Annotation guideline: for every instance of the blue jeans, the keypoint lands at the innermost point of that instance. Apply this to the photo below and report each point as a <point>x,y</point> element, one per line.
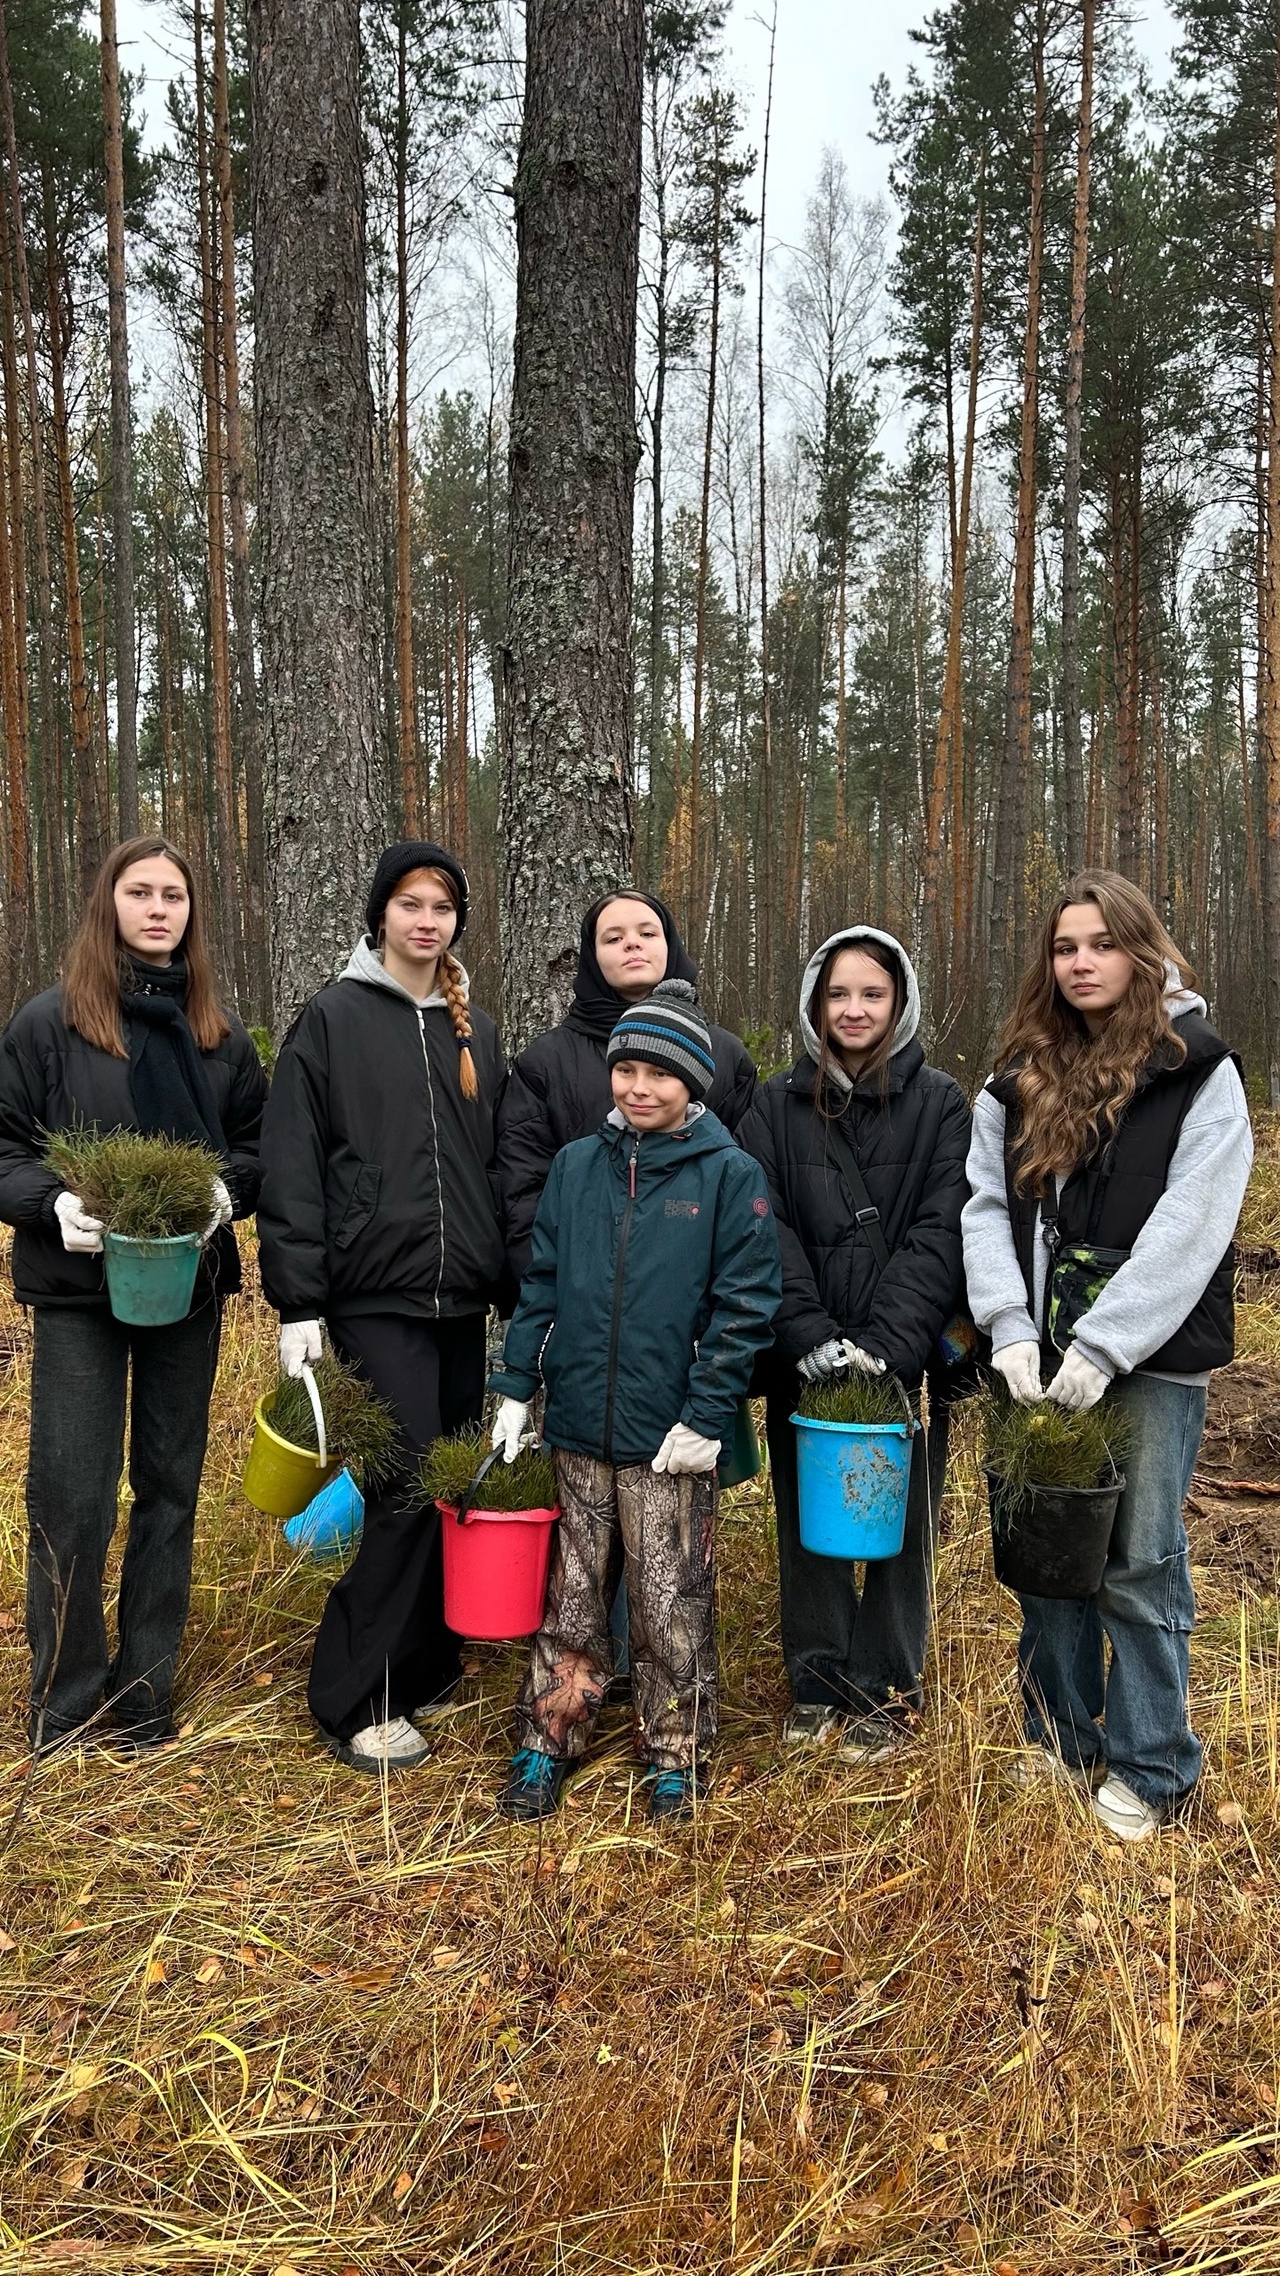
<point>1145,1609</point>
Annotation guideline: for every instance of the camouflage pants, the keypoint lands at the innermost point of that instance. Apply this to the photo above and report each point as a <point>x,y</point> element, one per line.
<point>662,1529</point>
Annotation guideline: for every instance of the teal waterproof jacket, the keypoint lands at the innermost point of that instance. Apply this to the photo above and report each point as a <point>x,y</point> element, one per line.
<point>653,1283</point>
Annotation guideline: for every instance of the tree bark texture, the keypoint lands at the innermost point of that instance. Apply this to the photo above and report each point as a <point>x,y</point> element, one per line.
<point>566,820</point>
<point>1270,674</point>
<point>324,792</point>
<point>1071,743</point>
<point>121,437</point>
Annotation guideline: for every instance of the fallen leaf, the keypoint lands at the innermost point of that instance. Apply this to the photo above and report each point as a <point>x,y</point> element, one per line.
<point>285,2268</point>
<point>471,1667</point>
<point>1088,1924</point>
<point>1214,1990</point>
<point>262,1679</point>
<point>939,2142</point>
<point>506,2091</point>
<point>7,1943</point>
<point>209,1971</point>
<point>491,2139</point>
<point>401,2187</point>
<point>369,1979</point>
<point>445,1956</point>
<point>1230,1814</point>
<point>127,2128</point>
<point>72,2173</point>
<point>247,1957</point>
<point>75,1928</point>
<point>965,2233</point>
<point>81,2075</point>
<point>286,1801</point>
<point>433,1890</point>
<point>1138,2217</point>
<point>154,1972</point>
<point>814,2174</point>
<point>1007,2268</point>
<point>874,2097</point>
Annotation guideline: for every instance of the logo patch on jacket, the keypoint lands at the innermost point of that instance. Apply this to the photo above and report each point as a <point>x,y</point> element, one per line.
<point>761,1207</point>
<point>679,1208</point>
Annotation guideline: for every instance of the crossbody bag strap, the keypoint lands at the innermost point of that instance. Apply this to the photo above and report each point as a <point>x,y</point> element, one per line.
<point>864,1209</point>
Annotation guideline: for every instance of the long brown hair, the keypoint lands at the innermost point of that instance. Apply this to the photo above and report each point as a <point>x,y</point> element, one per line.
<point>98,969</point>
<point>1073,1087</point>
<point>449,982</point>
<point>877,1062</point>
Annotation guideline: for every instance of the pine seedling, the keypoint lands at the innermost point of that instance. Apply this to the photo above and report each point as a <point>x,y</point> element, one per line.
<point>450,1464</point>
<point>145,1188</point>
<point>361,1431</point>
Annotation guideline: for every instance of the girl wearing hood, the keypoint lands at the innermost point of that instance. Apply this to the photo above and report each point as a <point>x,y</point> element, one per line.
<point>1111,1151</point>
<point>866,1283</point>
<point>379,1216</point>
<point>134,1039</point>
<point>558,1088</point>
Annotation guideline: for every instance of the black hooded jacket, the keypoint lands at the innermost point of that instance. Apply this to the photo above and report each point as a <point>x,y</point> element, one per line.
<point>911,1146</point>
<point>51,1077</point>
<point>558,1089</point>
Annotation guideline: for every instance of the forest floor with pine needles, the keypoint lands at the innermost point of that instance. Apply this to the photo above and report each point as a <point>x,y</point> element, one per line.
<point>260,2015</point>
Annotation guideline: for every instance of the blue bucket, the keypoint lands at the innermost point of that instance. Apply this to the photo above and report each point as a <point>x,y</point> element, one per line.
<point>853,1480</point>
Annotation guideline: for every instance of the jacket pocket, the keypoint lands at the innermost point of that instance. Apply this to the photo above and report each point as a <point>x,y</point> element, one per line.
<point>360,1206</point>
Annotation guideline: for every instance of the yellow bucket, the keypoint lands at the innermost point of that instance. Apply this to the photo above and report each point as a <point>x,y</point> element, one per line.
<point>279,1477</point>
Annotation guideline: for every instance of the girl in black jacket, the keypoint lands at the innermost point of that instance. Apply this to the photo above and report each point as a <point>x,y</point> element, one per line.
<point>860,1111</point>
<point>379,1215</point>
<point>135,1038</point>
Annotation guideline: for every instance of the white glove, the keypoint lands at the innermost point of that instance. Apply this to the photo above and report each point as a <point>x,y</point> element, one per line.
<point>509,1427</point>
<point>299,1345</point>
<point>855,1356</point>
<point>1019,1363</point>
<point>684,1453</point>
<point>81,1233</point>
<point>1078,1383</point>
<point>825,1360</point>
<point>222,1210</point>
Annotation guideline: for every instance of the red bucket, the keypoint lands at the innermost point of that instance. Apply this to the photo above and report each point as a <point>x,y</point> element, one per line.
<point>495,1570</point>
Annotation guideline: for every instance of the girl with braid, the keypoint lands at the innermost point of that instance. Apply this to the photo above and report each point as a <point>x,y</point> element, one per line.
<point>378,1217</point>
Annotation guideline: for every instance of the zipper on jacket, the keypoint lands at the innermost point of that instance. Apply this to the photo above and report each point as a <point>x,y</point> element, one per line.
<point>435,1136</point>
<point>615,1324</point>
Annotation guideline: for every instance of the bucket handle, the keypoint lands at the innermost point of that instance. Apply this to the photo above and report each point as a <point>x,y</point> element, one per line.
<point>318,1411</point>
<point>897,1383</point>
<point>465,1506</point>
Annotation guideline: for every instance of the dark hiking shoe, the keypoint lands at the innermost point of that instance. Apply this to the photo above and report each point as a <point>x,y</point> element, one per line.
<point>674,1795</point>
<point>140,1737</point>
<point>873,1738</point>
<point>534,1785</point>
<point>810,1723</point>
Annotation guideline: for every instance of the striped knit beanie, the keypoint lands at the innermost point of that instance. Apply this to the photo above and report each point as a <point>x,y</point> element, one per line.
<point>669,1031</point>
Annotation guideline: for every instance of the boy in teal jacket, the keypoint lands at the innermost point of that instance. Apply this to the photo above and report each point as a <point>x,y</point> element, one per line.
<point>654,1279</point>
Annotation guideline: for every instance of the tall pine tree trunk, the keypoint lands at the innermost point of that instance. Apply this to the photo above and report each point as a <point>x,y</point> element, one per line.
<point>121,437</point>
<point>405,676</point>
<point>90,833</point>
<point>697,868</point>
<point>566,821</point>
<point>322,756</point>
<point>1015,758</point>
<point>1271,635</point>
<point>1073,789</point>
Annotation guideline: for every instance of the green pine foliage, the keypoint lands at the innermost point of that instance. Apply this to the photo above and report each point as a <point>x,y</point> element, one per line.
<point>149,1189</point>
<point>1049,1445</point>
<point>854,1398</point>
<point>450,1464</point>
<point>360,1430</point>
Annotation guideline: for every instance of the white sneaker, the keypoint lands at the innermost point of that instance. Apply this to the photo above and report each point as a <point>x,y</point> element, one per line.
<point>810,1725</point>
<point>1124,1813</point>
<point>382,1746</point>
<point>1037,1762</point>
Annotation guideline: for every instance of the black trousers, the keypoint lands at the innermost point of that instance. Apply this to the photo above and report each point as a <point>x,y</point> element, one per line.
<point>79,1377</point>
<point>382,1648</point>
<point>857,1649</point>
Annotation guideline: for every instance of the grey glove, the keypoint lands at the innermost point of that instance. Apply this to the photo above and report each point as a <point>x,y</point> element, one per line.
<point>824,1361</point>
<point>223,1210</point>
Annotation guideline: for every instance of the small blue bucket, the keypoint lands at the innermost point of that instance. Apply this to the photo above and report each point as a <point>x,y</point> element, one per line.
<point>853,1480</point>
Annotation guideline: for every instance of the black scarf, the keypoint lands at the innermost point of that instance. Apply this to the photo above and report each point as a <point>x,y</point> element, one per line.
<point>597,1007</point>
<point>167,1079</point>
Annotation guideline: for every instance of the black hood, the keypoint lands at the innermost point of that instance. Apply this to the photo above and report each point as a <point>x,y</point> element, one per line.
<point>597,1007</point>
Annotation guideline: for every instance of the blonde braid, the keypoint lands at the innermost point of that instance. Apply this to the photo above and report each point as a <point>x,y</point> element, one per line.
<point>452,990</point>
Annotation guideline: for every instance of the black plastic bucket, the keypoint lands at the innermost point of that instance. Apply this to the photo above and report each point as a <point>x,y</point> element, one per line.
<point>1052,1540</point>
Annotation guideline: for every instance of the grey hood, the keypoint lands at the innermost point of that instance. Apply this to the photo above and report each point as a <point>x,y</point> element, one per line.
<point>1178,1001</point>
<point>849,937</point>
<point>364,963</point>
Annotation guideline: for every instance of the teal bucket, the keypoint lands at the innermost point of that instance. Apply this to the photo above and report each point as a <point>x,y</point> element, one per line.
<point>853,1480</point>
<point>151,1283</point>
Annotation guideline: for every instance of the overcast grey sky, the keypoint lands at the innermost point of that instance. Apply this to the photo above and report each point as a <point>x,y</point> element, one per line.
<point>829,54</point>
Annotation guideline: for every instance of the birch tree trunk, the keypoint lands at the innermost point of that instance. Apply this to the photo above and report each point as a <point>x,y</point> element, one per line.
<point>323,763</point>
<point>566,818</point>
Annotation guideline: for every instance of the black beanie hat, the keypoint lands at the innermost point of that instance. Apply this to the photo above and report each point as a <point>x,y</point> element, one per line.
<point>668,1030</point>
<point>400,861</point>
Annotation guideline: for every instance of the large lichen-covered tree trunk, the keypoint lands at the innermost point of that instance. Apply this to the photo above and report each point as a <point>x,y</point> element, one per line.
<point>323,762</point>
<point>566,820</point>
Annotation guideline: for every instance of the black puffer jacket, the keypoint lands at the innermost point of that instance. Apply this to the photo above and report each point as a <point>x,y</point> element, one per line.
<point>558,1089</point>
<point>50,1078</point>
<point>378,1190</point>
<point>911,1149</point>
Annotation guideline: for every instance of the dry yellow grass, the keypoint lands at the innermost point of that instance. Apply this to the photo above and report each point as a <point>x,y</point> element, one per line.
<point>258,2014</point>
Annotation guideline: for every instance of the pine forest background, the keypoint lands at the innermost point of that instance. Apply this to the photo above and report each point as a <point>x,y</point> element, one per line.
<point>957,553</point>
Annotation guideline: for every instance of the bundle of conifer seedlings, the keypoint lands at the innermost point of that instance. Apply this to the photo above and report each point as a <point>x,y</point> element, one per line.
<point>856,1398</point>
<point>1054,1477</point>
<point>450,1464</point>
<point>361,1432</point>
<point>143,1188</point>
<point>1053,1447</point>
